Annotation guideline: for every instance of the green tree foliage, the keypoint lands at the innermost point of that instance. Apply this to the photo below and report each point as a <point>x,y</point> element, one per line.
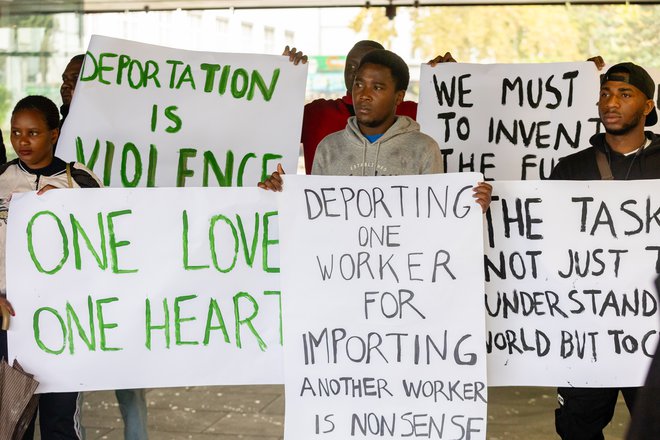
<point>379,27</point>
<point>620,32</point>
<point>496,33</point>
<point>512,34</point>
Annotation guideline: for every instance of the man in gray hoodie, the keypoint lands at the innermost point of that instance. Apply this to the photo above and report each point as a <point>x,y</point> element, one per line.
<point>377,142</point>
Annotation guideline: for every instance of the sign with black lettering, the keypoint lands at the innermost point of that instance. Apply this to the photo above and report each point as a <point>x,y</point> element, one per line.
<point>384,307</point>
<point>142,288</point>
<point>509,121</point>
<point>151,116</point>
<point>569,270</point>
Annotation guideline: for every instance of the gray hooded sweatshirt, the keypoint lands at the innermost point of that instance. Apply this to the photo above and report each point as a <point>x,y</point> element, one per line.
<point>402,150</point>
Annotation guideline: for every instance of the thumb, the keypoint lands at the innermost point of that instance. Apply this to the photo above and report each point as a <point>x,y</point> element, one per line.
<point>280,169</point>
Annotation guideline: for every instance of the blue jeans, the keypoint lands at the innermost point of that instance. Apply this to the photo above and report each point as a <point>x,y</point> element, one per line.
<point>133,408</point>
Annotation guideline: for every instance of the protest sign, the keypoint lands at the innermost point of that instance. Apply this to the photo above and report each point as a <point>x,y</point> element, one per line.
<point>153,116</point>
<point>569,273</point>
<point>383,307</point>
<point>655,74</point>
<point>508,121</point>
<point>140,288</point>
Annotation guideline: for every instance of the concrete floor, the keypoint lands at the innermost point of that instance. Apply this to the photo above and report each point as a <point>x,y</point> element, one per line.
<point>257,413</point>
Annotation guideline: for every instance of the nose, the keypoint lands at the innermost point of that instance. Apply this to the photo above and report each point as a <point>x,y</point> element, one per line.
<point>611,101</point>
<point>66,89</point>
<point>23,139</point>
<point>364,94</point>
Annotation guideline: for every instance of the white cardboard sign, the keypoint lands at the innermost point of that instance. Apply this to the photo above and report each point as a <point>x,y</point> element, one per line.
<point>145,115</point>
<point>118,288</point>
<point>569,273</point>
<point>509,122</point>
<point>383,307</point>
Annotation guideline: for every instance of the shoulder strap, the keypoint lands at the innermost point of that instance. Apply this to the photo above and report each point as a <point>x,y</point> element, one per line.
<point>603,166</point>
<point>69,179</point>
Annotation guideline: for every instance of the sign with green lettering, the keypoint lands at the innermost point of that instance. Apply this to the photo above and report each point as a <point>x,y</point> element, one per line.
<point>153,116</point>
<point>119,288</point>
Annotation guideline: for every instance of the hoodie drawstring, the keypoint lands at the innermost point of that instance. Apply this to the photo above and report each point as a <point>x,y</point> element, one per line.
<point>377,154</point>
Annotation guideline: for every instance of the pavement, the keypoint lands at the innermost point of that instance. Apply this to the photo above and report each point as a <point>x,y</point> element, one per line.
<point>257,413</point>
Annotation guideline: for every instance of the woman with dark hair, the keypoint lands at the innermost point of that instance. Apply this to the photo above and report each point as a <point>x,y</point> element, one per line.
<point>34,132</point>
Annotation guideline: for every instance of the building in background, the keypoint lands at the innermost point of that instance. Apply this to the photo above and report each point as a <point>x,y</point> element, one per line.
<point>35,49</point>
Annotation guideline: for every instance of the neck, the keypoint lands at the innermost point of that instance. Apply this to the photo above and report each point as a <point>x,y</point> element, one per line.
<point>381,129</point>
<point>626,143</point>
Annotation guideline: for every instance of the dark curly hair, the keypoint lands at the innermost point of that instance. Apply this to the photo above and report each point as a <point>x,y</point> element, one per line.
<point>43,105</point>
<point>392,61</point>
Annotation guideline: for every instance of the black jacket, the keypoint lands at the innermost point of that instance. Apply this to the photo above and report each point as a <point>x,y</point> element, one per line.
<point>582,165</point>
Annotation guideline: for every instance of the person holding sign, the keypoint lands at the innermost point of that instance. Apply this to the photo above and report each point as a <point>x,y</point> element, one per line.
<point>34,131</point>
<point>376,141</point>
<point>69,81</point>
<point>323,116</point>
<point>624,152</point>
<point>133,402</point>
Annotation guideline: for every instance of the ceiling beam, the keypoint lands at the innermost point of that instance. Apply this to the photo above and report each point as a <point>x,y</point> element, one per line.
<point>20,7</point>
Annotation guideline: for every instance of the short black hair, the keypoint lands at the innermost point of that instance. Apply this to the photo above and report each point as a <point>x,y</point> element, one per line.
<point>392,61</point>
<point>80,57</point>
<point>43,105</point>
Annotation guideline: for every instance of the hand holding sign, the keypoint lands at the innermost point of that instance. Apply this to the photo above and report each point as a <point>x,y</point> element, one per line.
<point>482,193</point>
<point>295,56</point>
<point>274,182</point>
<point>7,310</point>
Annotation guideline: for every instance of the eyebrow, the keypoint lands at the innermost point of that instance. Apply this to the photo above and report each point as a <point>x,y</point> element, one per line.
<point>620,89</point>
<point>380,83</point>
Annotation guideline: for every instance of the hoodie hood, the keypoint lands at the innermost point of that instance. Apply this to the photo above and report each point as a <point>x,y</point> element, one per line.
<point>401,150</point>
<point>401,126</point>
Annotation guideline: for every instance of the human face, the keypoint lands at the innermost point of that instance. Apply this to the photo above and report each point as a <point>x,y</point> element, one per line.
<point>622,107</point>
<point>32,139</point>
<point>352,62</point>
<point>69,80</point>
<point>375,99</point>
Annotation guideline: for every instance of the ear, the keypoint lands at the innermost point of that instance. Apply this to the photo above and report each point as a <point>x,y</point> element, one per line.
<point>648,107</point>
<point>54,135</point>
<point>401,93</point>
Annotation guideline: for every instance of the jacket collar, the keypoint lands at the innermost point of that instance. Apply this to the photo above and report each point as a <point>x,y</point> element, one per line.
<point>55,167</point>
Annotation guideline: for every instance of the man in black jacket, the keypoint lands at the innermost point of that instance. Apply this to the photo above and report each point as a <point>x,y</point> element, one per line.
<point>624,152</point>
